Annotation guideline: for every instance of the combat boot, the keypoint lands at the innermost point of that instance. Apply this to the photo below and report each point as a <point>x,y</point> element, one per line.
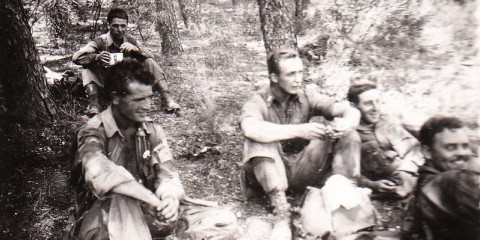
<point>281,209</point>
<point>94,102</point>
<point>169,105</point>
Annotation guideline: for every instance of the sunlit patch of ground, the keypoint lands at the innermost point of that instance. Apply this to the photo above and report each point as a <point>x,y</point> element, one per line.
<point>223,64</point>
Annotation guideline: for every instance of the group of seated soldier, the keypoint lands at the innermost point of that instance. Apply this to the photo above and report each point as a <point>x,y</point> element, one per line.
<point>288,148</point>
<point>128,187</point>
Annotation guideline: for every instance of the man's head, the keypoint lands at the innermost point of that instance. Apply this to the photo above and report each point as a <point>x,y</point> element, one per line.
<point>117,22</point>
<point>365,97</point>
<point>445,143</point>
<point>285,69</point>
<point>130,88</point>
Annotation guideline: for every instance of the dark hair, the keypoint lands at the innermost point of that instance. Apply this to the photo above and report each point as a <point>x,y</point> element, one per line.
<point>116,13</point>
<point>355,90</point>
<point>436,125</point>
<point>125,72</point>
<point>275,56</point>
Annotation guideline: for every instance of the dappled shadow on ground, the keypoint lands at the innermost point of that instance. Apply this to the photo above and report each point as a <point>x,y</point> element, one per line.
<point>223,64</point>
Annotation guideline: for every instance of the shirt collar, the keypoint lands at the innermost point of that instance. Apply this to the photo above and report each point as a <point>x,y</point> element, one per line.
<point>365,128</point>
<point>109,123</point>
<point>110,39</point>
<point>269,98</point>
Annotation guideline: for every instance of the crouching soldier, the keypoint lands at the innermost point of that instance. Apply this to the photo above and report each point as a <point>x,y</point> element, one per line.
<point>127,186</point>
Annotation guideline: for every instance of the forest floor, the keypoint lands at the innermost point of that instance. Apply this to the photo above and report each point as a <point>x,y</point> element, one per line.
<point>222,65</point>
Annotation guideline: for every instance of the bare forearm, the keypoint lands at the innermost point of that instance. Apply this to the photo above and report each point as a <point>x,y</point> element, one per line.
<point>346,112</point>
<point>136,190</point>
<point>86,55</point>
<point>265,132</point>
<point>352,115</point>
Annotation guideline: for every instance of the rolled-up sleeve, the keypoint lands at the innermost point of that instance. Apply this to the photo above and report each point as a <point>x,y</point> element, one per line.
<point>167,179</point>
<point>254,107</point>
<point>143,50</point>
<point>407,147</point>
<point>86,55</point>
<point>321,104</point>
<point>101,174</point>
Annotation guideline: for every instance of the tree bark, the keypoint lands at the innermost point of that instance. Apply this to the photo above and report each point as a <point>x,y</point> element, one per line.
<point>236,2</point>
<point>189,10</point>
<point>167,27</point>
<point>58,20</point>
<point>27,97</point>
<point>125,4</point>
<point>277,27</point>
<point>300,6</point>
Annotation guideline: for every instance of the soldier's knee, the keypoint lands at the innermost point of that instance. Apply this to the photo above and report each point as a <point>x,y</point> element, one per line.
<point>91,89</point>
<point>351,137</point>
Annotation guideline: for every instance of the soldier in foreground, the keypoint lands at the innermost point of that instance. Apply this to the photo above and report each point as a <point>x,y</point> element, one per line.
<point>447,197</point>
<point>127,185</point>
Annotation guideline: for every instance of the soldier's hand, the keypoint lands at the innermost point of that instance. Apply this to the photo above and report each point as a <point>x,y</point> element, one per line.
<point>128,47</point>
<point>312,130</point>
<point>384,185</point>
<point>169,209</point>
<point>104,58</point>
<point>339,128</point>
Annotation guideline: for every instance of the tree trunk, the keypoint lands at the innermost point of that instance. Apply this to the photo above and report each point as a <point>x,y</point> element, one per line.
<point>167,27</point>
<point>58,20</point>
<point>189,10</point>
<point>27,97</point>
<point>124,4</point>
<point>277,27</point>
<point>300,6</point>
<point>236,2</point>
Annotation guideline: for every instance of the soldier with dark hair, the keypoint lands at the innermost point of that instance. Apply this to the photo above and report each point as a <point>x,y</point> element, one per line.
<point>391,156</point>
<point>447,197</point>
<point>127,185</point>
<point>111,47</point>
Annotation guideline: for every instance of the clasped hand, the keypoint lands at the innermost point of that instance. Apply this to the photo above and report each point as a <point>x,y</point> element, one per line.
<point>104,58</point>
<point>128,47</point>
<point>168,209</point>
<point>337,129</point>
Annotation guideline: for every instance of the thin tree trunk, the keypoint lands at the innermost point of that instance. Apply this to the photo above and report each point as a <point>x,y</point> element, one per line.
<point>300,6</point>
<point>24,85</point>
<point>189,10</point>
<point>236,2</point>
<point>58,20</point>
<point>277,27</point>
<point>125,4</point>
<point>167,27</point>
<point>477,42</point>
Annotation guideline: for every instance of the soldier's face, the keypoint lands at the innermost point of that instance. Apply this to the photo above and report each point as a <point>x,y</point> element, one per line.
<point>451,149</point>
<point>117,27</point>
<point>290,77</point>
<point>368,105</point>
<point>136,103</point>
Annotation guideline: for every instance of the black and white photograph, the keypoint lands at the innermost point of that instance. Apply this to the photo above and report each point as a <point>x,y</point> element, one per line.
<point>240,119</point>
